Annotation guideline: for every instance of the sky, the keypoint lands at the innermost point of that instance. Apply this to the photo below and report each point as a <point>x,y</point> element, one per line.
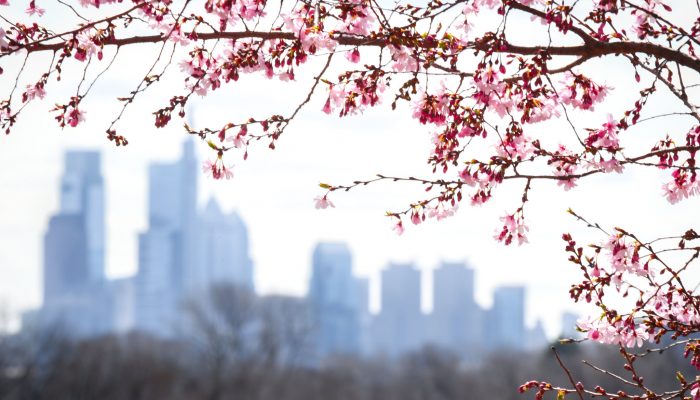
<point>274,190</point>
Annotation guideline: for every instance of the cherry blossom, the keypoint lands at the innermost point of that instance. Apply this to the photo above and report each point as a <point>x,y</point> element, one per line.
<point>323,202</point>
<point>398,228</point>
<point>34,91</point>
<point>217,170</point>
<point>514,228</point>
<point>33,9</point>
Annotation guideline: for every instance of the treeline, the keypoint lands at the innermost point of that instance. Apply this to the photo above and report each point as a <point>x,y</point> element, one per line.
<point>242,348</point>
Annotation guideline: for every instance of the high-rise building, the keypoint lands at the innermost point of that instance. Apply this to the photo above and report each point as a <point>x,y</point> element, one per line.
<point>185,252</point>
<point>223,249</point>
<point>158,289</point>
<point>506,319</point>
<point>82,193</point>
<point>333,292</point>
<point>65,261</point>
<point>167,250</point>
<point>364,318</point>
<point>399,327</point>
<point>74,269</point>
<point>456,318</point>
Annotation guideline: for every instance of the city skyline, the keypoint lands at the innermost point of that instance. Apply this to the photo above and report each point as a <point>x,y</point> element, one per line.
<point>371,268</point>
<point>188,250</point>
<point>425,277</point>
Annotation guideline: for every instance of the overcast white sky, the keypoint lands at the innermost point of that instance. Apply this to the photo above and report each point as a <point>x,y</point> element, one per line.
<point>274,190</point>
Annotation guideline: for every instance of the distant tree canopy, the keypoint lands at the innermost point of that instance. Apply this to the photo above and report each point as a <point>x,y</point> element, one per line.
<point>487,78</point>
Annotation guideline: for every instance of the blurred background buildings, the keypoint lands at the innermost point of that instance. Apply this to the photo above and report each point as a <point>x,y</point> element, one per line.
<point>187,252</point>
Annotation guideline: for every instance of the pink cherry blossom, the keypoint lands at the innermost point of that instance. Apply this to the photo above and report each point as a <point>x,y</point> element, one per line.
<point>398,228</point>
<point>441,211</point>
<point>416,217</point>
<point>605,138</point>
<point>403,59</point>
<point>323,203</point>
<point>682,186</point>
<point>514,228</point>
<point>34,91</point>
<point>217,170</point>
<point>33,9</point>
<point>624,256</point>
<point>75,116</point>
<point>353,56</point>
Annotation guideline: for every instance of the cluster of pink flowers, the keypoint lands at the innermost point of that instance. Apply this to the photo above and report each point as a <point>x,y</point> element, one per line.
<point>684,184</point>
<point>674,306</point>
<point>624,257</point>
<point>565,164</point>
<point>403,59</point>
<point>354,94</point>
<point>514,228</point>
<point>230,12</point>
<point>173,31</point>
<point>441,211</point>
<point>216,169</point>
<point>239,139</point>
<point>605,138</point>
<point>34,91</point>
<point>581,92</point>
<point>356,17</point>
<point>431,109</point>
<point>74,116</point>
<point>515,147</point>
<point>621,331</point>
<point>86,46</point>
<point>598,162</point>
<point>484,179</point>
<point>302,22</point>
<point>69,114</point>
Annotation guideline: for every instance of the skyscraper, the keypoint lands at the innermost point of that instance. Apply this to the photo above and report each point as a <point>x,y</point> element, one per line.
<point>456,318</point>
<point>333,292</point>
<point>167,250</point>
<point>506,327</point>
<point>223,248</point>
<point>74,270</point>
<point>184,252</point>
<point>82,194</point>
<point>399,327</point>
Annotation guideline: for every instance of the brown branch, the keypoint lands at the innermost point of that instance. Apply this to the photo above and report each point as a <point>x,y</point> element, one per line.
<point>579,391</point>
<point>587,51</point>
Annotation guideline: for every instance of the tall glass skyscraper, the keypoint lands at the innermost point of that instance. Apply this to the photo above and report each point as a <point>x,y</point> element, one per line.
<point>399,327</point>
<point>335,305</point>
<point>456,318</point>
<point>184,251</point>
<point>82,193</point>
<point>223,255</point>
<point>74,265</point>
<point>167,248</point>
<point>507,318</point>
